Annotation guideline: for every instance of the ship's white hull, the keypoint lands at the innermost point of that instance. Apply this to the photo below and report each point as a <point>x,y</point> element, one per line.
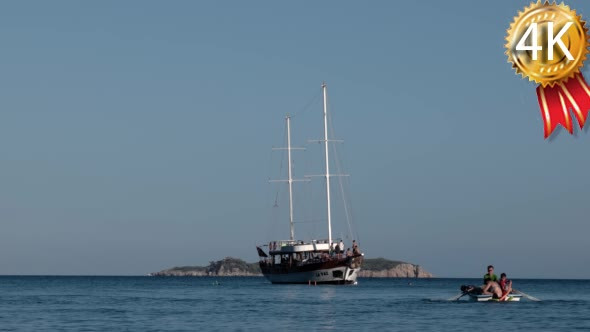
<point>336,275</point>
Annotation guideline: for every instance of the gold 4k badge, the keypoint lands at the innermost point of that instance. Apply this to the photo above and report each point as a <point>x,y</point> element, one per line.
<point>548,44</point>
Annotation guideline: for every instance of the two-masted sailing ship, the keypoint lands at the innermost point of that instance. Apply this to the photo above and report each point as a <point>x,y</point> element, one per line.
<point>313,261</point>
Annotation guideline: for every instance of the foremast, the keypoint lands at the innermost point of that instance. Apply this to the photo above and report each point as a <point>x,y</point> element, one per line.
<point>290,179</point>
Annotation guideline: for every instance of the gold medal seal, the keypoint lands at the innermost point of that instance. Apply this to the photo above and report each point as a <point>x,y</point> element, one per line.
<point>548,44</point>
<point>541,68</point>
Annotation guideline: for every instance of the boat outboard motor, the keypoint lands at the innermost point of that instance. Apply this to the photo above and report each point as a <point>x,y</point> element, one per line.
<point>471,289</point>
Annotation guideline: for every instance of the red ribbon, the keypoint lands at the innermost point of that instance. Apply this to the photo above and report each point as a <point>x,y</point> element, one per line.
<point>556,101</point>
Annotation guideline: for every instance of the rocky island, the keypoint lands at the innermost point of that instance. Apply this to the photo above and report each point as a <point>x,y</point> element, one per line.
<point>235,267</point>
<point>385,268</point>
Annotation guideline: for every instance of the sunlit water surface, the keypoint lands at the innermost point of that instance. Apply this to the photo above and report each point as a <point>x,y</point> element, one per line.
<point>176,304</point>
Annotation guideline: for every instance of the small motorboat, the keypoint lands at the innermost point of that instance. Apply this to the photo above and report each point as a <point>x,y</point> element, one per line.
<point>475,293</point>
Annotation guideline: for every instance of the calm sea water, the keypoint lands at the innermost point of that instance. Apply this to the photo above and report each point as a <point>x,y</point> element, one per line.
<point>177,304</point>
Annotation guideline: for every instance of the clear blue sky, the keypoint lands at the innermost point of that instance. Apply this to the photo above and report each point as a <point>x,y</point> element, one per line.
<point>135,135</point>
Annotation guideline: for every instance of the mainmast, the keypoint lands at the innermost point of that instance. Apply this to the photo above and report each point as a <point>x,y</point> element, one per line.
<point>327,175</point>
<point>290,179</point>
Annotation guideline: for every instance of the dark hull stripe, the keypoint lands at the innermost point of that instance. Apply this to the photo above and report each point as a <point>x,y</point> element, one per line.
<point>278,269</point>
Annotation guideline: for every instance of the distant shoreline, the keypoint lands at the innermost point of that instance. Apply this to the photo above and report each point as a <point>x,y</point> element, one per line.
<point>235,267</point>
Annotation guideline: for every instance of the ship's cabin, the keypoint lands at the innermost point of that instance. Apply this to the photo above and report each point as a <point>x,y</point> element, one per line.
<point>291,253</point>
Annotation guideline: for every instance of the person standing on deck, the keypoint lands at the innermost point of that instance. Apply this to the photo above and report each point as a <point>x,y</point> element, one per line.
<point>341,247</point>
<point>355,248</point>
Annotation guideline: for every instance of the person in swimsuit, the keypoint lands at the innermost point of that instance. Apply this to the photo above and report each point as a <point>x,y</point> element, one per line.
<point>505,286</point>
<point>492,288</point>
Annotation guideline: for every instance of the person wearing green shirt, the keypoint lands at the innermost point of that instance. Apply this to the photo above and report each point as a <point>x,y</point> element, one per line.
<point>490,276</point>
